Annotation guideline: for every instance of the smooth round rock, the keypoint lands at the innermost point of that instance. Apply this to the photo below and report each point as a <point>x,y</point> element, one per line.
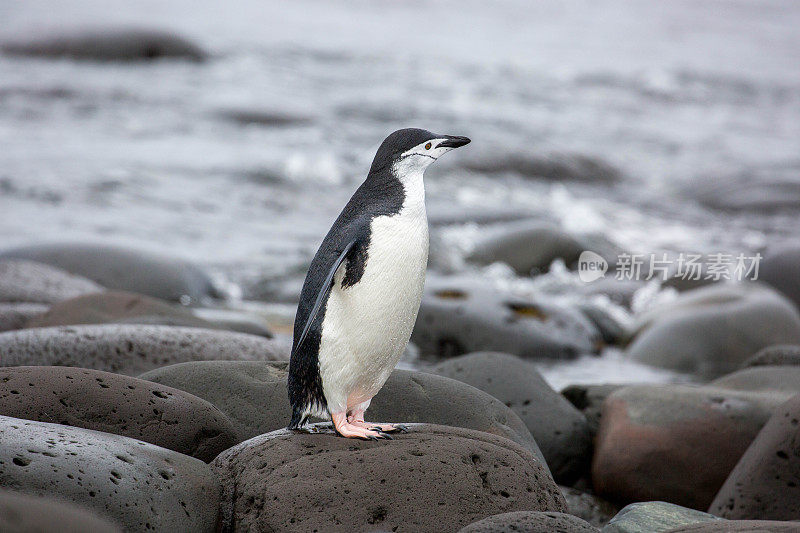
<point>21,513</point>
<point>126,269</point>
<point>655,517</point>
<point>254,396</point>
<point>130,349</point>
<point>296,481</point>
<point>29,281</point>
<point>589,400</point>
<point>778,355</point>
<point>117,404</point>
<point>766,481</point>
<point>530,522</point>
<point>593,509</point>
<point>552,166</point>
<point>779,378</point>
<point>461,315</point>
<point>137,485</point>
<point>740,526</point>
<point>17,315</point>
<point>560,430</point>
<point>115,44</point>
<point>781,269</point>
<point>711,331</point>
<point>675,443</point>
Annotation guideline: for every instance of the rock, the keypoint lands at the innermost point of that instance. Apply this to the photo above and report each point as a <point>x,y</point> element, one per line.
<point>124,269</point>
<point>766,481</point>
<point>560,430</point>
<point>551,167</point>
<point>675,443</point>
<point>462,315</point>
<point>763,189</point>
<point>20,513</point>
<point>589,400</point>
<point>28,281</point>
<point>296,481</point>
<point>740,526</point>
<point>234,320</point>
<point>137,485</point>
<point>778,378</point>
<point>112,403</point>
<point>655,517</point>
<point>254,397</point>
<point>781,269</point>
<point>711,331</point>
<point>612,332</point>
<point>530,522</point>
<point>263,117</point>
<point>129,349</point>
<point>16,315</point>
<point>778,355</point>
<point>589,507</point>
<point>620,292</point>
<point>116,44</point>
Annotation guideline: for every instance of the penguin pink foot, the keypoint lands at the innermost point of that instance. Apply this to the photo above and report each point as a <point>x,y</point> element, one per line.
<point>356,418</point>
<point>352,431</point>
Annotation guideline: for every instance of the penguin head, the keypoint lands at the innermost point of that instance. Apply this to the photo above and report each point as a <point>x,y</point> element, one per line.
<point>412,149</point>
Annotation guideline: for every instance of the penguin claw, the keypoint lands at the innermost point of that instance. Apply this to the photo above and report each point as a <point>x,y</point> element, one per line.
<point>400,428</point>
<point>386,436</point>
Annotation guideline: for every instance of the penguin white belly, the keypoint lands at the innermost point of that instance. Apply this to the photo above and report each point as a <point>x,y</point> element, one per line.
<point>367,326</point>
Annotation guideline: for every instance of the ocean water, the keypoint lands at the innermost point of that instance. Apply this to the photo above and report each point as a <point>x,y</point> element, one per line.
<point>677,126</point>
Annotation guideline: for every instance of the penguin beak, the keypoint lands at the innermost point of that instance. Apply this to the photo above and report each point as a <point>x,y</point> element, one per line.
<point>453,141</point>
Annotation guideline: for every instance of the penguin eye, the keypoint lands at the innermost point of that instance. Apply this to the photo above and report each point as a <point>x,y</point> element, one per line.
<point>428,146</point>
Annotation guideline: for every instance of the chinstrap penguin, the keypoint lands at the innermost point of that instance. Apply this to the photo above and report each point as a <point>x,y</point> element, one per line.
<point>363,289</point>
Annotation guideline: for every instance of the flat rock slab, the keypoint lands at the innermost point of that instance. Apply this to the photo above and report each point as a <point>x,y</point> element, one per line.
<point>530,522</point>
<point>740,526</point>
<point>766,482</point>
<point>655,517</point>
<point>117,404</point>
<point>130,349</point>
<point>17,315</point>
<point>254,397</point>
<point>29,281</point>
<point>560,430</point>
<point>21,513</point>
<point>137,485</point>
<point>293,481</point>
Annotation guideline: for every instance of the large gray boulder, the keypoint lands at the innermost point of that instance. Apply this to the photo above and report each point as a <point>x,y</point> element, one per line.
<point>297,481</point>
<point>712,330</point>
<point>21,513</point>
<point>137,485</point>
<point>560,430</point>
<point>117,404</point>
<point>32,282</point>
<point>126,269</point>
<point>254,396</point>
<point>530,522</point>
<point>655,517</point>
<point>131,349</point>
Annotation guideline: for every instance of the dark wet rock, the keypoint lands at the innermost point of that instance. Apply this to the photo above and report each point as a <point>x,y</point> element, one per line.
<point>530,522</point>
<point>740,526</point>
<point>551,167</point>
<point>778,378</point>
<point>137,485</point>
<point>21,513</point>
<point>112,403</point>
<point>117,44</point>
<point>781,269</point>
<point>460,315</point>
<point>778,355</point>
<point>560,430</point>
<point>296,481</point>
<point>711,331</point>
<point>17,315</point>
<point>589,400</point>
<point>655,517</point>
<point>595,510</point>
<point>766,482</point>
<point>254,397</point>
<point>675,443</point>
<point>130,349</point>
<point>32,282</point>
<point>124,269</point>
<point>263,117</point>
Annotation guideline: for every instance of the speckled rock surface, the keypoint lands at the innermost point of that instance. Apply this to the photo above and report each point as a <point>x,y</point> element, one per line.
<point>530,522</point>
<point>126,269</point>
<point>589,507</point>
<point>778,355</point>
<point>254,397</point>
<point>117,404</point>
<point>740,526</point>
<point>762,378</point>
<point>675,443</point>
<point>130,349</point>
<point>292,481</point>
<point>655,517</point>
<point>17,315</point>
<point>560,430</point>
<point>766,482</point>
<point>137,485</point>
<point>28,281</point>
<point>21,513</point>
